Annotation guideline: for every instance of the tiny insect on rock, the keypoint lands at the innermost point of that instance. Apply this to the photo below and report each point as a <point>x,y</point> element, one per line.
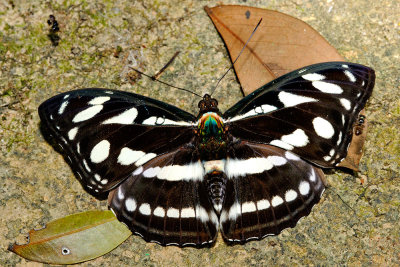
<point>249,172</point>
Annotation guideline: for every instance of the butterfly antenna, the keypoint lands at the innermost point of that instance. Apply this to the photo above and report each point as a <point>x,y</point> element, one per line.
<point>241,51</point>
<point>158,74</point>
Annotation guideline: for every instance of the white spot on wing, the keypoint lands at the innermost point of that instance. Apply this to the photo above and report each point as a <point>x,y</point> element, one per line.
<point>345,103</point>
<point>242,167</point>
<point>298,138</point>
<point>191,172</point>
<point>276,201</point>
<point>327,158</point>
<point>86,165</point>
<point>234,211</point>
<point>248,207</point>
<point>97,177</point>
<point>99,100</point>
<point>339,139</point>
<point>345,66</point>
<point>263,204</point>
<point>130,204</point>
<point>128,156</point>
<point>290,100</point>
<point>304,188</point>
<point>313,77</point>
<point>159,212</point>
<point>350,76</point>
<point>290,195</point>
<point>277,161</point>
<point>100,151</point>
<point>291,156</point>
<point>188,213</point>
<point>323,128</point>
<point>87,113</point>
<point>163,121</point>
<point>126,117</point>
<point>329,88</point>
<point>173,213</point>
<point>281,144</point>
<point>201,214</point>
<point>151,172</point>
<point>263,109</point>
<point>62,107</point>
<point>145,209</point>
<point>138,171</point>
<point>72,133</point>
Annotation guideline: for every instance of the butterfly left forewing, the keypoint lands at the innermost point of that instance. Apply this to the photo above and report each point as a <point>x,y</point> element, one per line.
<point>105,135</point>
<point>310,112</point>
<point>165,201</point>
<point>270,190</point>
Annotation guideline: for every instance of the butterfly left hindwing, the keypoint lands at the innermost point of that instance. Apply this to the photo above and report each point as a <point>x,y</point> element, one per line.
<point>165,201</point>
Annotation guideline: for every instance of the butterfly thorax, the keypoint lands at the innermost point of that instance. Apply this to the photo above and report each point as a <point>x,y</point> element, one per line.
<point>211,137</point>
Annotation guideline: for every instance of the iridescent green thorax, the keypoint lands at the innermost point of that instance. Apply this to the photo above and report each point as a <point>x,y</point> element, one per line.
<point>212,136</point>
<point>211,125</point>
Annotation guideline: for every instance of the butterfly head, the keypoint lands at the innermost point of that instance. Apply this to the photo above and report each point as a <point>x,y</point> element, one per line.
<point>208,104</point>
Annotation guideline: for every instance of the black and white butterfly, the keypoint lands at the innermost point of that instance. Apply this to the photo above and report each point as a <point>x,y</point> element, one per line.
<point>179,179</point>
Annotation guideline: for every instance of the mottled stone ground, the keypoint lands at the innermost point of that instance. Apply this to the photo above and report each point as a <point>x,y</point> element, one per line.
<point>357,221</point>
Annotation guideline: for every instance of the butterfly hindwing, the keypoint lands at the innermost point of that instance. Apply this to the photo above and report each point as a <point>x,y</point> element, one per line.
<point>270,190</point>
<point>105,135</point>
<point>310,112</point>
<point>165,201</point>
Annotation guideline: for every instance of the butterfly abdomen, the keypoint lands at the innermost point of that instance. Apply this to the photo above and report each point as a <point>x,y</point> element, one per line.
<point>215,180</point>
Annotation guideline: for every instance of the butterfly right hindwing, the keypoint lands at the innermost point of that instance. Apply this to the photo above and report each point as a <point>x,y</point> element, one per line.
<point>270,190</point>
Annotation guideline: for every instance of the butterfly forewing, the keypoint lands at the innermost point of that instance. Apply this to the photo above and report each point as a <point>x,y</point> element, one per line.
<point>105,135</point>
<point>270,190</point>
<point>310,112</point>
<point>165,201</point>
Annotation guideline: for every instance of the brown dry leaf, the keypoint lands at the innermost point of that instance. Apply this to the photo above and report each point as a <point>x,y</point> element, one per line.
<point>281,44</point>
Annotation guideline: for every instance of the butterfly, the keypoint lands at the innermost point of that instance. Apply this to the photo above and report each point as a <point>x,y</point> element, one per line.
<point>178,179</point>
